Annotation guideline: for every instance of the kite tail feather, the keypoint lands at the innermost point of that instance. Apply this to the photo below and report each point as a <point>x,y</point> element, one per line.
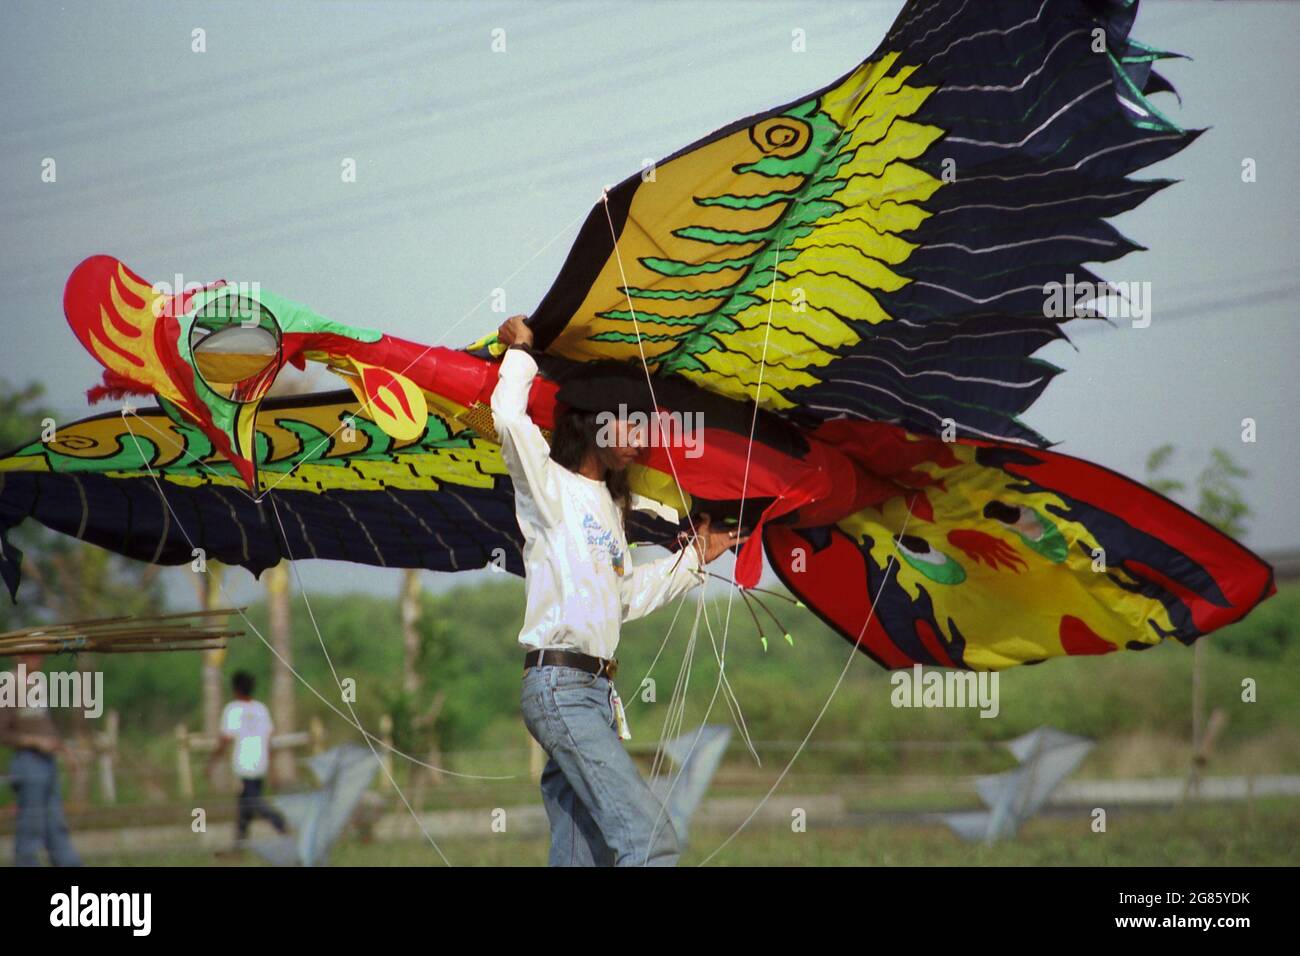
<point>116,386</point>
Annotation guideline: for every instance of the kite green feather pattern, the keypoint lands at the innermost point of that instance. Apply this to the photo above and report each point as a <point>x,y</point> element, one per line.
<point>127,456</point>
<point>828,148</point>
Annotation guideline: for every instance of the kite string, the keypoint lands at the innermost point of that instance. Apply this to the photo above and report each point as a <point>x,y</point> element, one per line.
<point>753,427</point>
<point>672,625</point>
<point>645,365</point>
<point>720,655</point>
<point>853,652</point>
<point>330,661</point>
<point>677,701</point>
<point>677,708</point>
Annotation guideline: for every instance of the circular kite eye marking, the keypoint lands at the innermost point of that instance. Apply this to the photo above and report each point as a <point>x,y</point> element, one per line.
<point>935,565</point>
<point>918,548</point>
<point>1036,530</point>
<point>1003,512</point>
<point>236,344</point>
<point>781,136</point>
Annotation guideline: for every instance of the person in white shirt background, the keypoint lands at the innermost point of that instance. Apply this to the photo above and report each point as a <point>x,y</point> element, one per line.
<point>246,732</point>
<point>571,496</point>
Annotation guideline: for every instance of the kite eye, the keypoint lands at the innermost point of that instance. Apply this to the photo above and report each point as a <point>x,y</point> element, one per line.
<point>1035,528</point>
<point>236,346</point>
<point>935,565</point>
<point>1024,521</point>
<point>918,548</point>
<point>1003,512</point>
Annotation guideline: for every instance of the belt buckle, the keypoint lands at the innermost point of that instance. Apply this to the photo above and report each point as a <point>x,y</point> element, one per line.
<point>611,668</point>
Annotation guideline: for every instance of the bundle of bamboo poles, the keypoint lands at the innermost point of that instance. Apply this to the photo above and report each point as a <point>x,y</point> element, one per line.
<point>183,631</point>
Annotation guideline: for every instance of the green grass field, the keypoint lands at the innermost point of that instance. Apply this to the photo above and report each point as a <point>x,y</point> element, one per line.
<point>1266,833</point>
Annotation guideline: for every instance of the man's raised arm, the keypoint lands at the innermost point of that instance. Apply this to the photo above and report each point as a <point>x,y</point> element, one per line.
<point>524,447</point>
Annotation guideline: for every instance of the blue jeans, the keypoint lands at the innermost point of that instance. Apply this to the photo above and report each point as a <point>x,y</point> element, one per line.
<point>601,811</point>
<point>251,805</point>
<point>35,778</point>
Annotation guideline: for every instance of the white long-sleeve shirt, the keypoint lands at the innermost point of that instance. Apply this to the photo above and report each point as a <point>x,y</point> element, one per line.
<point>579,580</point>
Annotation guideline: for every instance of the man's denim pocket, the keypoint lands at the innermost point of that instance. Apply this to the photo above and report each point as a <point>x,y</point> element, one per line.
<point>563,678</point>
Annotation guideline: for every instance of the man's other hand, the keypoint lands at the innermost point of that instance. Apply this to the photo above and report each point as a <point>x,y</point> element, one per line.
<point>515,331</point>
<point>710,542</point>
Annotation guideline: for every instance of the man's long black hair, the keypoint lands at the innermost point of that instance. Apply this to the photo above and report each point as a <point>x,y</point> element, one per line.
<point>574,435</point>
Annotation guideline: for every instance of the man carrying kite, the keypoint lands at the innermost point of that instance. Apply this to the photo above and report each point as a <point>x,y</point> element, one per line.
<point>580,588</point>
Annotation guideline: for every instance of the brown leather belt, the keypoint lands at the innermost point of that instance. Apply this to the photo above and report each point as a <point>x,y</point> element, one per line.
<point>583,662</point>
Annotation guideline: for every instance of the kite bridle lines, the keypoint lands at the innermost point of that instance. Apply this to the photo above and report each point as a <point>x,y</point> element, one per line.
<point>330,661</point>
<point>740,517</point>
<point>721,653</point>
<point>853,653</point>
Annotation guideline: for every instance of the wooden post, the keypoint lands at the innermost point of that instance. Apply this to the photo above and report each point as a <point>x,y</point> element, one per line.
<point>427,723</point>
<point>184,773</point>
<point>283,766</point>
<point>1193,788</point>
<point>386,737</point>
<point>78,772</point>
<point>106,748</point>
<point>213,661</point>
<point>410,609</point>
<point>1209,736</point>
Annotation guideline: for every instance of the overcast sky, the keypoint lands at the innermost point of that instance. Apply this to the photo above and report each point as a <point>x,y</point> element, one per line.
<point>475,169</point>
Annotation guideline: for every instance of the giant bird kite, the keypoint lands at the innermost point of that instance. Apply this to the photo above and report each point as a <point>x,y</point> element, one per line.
<point>848,288</point>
